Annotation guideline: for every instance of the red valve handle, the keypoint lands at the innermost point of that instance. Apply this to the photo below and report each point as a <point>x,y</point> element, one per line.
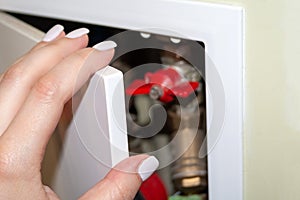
<point>168,81</point>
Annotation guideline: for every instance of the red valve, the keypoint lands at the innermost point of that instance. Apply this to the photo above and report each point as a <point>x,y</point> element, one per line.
<point>163,84</point>
<point>154,189</point>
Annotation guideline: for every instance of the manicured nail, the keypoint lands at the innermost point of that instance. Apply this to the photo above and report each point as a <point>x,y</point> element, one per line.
<point>53,33</point>
<point>148,166</point>
<point>77,33</point>
<point>104,46</point>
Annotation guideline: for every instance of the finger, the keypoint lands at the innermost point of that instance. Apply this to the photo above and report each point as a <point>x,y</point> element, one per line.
<point>20,78</point>
<point>123,182</point>
<point>37,119</point>
<point>44,43</point>
<point>55,33</point>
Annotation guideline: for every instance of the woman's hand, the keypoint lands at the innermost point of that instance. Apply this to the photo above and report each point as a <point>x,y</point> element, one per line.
<point>33,92</point>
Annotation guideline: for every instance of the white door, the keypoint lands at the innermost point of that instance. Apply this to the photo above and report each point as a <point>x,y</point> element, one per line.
<point>95,139</point>
<point>16,38</point>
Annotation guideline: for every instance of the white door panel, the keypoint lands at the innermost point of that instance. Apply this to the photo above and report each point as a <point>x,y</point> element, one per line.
<point>16,37</point>
<point>96,139</point>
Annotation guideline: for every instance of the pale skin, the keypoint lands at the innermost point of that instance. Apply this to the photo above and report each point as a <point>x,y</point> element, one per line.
<point>33,92</point>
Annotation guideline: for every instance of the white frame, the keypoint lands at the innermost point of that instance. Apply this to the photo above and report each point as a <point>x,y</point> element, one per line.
<point>220,27</point>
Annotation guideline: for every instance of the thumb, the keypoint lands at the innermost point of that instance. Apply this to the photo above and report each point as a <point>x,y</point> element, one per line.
<point>124,180</point>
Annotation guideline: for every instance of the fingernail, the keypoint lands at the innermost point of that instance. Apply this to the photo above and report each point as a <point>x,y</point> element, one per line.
<point>104,46</point>
<point>77,33</point>
<point>147,167</point>
<point>53,33</point>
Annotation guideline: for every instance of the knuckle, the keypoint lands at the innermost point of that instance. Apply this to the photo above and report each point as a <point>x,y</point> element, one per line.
<point>124,191</point>
<point>117,189</point>
<point>46,89</point>
<point>13,76</point>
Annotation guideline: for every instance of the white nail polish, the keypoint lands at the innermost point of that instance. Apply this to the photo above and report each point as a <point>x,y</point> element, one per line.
<point>53,33</point>
<point>147,167</point>
<point>77,33</point>
<point>104,46</point>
